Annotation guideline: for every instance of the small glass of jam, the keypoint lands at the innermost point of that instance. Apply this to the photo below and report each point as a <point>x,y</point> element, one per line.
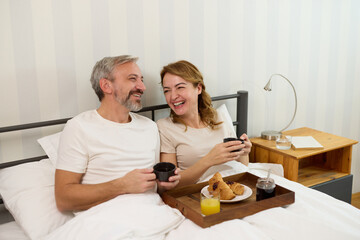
<point>265,188</point>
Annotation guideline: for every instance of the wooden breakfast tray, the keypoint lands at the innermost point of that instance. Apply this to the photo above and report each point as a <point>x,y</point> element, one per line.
<point>187,200</point>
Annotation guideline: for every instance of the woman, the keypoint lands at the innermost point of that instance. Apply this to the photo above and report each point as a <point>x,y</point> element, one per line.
<point>192,137</point>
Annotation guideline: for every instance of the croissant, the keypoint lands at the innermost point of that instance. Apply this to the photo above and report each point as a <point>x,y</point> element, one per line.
<point>216,178</point>
<point>225,191</point>
<point>213,184</point>
<point>218,186</point>
<point>237,188</point>
<point>214,189</point>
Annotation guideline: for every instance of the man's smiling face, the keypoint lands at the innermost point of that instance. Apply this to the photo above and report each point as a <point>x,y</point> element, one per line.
<point>128,85</point>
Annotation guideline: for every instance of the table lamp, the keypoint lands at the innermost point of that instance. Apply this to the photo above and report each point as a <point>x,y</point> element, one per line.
<point>271,134</point>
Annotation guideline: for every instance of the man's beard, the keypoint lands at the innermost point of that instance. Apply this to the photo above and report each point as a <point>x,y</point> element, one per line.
<point>131,105</point>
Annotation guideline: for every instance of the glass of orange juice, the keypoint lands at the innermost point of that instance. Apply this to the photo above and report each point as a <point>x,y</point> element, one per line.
<point>210,204</point>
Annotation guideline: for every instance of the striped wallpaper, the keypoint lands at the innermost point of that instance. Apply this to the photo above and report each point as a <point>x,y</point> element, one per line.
<point>48,49</point>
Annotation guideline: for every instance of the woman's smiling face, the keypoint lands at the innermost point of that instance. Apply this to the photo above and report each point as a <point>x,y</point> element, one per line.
<point>181,95</point>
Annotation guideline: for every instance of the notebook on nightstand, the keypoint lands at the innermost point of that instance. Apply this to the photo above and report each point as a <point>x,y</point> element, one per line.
<point>305,142</point>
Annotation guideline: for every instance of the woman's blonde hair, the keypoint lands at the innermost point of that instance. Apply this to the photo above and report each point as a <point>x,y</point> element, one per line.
<point>190,73</point>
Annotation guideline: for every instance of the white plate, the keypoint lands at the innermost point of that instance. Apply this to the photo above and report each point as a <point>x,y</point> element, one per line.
<point>247,193</point>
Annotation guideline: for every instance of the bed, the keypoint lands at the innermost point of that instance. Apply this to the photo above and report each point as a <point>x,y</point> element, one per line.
<point>28,210</point>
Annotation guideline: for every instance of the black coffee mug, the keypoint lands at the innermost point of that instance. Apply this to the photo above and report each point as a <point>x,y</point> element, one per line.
<point>234,139</point>
<point>164,170</point>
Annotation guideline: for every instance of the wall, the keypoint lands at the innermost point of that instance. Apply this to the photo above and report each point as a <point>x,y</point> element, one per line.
<point>48,49</point>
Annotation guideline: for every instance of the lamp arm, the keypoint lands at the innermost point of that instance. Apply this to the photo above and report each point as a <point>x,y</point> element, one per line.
<point>295,100</point>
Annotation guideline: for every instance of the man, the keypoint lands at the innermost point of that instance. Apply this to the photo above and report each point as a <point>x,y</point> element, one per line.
<point>109,151</point>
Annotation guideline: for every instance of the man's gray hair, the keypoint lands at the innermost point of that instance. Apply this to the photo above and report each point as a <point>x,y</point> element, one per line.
<point>104,68</point>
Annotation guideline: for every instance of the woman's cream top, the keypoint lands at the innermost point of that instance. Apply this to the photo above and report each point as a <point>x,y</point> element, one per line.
<point>193,144</point>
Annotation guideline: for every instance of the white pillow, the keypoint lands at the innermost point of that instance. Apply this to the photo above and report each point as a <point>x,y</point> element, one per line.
<point>28,194</point>
<point>50,145</point>
<point>224,115</point>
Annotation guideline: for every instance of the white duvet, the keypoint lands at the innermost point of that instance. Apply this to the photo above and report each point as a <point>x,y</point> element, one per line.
<point>130,216</point>
<point>314,215</point>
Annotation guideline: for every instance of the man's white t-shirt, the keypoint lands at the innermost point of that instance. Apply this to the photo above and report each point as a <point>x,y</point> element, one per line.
<point>104,150</point>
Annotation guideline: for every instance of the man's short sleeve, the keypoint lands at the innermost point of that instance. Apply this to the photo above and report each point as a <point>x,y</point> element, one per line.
<point>72,153</point>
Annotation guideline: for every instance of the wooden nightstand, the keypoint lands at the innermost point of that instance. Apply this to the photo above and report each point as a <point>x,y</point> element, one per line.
<point>327,169</point>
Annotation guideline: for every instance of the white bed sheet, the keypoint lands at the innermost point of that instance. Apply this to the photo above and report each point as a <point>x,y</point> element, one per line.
<point>12,231</point>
